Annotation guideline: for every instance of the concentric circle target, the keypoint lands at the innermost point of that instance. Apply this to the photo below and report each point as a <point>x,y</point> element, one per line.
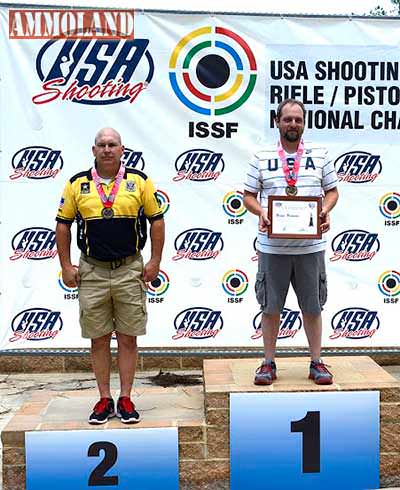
<point>64,286</point>
<point>233,204</point>
<point>389,283</point>
<point>389,205</point>
<point>159,285</point>
<point>163,200</point>
<point>212,70</point>
<point>235,282</point>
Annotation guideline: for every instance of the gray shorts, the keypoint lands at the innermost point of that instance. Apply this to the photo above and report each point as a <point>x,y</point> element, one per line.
<point>305,272</point>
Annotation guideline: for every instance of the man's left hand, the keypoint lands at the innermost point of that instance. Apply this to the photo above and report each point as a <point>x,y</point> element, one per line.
<point>151,270</point>
<point>325,221</point>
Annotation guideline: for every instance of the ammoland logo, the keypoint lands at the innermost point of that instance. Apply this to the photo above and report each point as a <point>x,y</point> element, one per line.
<point>70,24</point>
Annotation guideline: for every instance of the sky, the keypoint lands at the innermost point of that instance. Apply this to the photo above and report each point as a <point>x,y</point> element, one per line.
<point>324,7</point>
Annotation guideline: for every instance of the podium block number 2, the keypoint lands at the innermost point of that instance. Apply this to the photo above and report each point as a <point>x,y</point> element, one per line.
<point>113,459</point>
<point>97,476</point>
<point>282,441</point>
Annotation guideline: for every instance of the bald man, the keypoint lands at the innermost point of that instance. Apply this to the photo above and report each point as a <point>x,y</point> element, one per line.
<point>111,204</point>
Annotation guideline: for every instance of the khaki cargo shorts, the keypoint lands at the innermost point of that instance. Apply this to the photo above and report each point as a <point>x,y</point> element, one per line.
<point>112,300</point>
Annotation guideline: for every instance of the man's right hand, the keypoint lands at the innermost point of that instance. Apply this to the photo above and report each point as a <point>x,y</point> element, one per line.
<point>70,276</point>
<point>264,222</point>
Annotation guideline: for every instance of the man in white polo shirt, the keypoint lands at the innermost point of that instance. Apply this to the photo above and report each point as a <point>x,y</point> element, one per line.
<point>291,167</point>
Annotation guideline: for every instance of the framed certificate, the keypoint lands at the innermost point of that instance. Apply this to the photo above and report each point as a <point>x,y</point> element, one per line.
<point>294,216</point>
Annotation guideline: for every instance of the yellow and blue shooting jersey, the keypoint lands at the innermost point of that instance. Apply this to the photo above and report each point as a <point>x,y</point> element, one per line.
<point>122,235</point>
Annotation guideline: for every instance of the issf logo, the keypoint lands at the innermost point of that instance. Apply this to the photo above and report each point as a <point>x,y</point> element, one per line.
<point>94,72</point>
<point>36,324</point>
<point>157,288</point>
<point>163,200</point>
<point>389,285</point>
<point>198,323</point>
<point>36,243</point>
<point>389,206</point>
<point>133,159</point>
<point>358,167</point>
<point>233,206</point>
<point>69,293</point>
<point>355,246</point>
<point>212,70</point>
<point>198,244</point>
<point>36,163</point>
<point>354,323</point>
<point>235,283</point>
<point>254,258</point>
<point>290,324</point>
<point>199,165</point>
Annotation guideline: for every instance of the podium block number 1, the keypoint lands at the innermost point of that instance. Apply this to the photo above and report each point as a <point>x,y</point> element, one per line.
<point>309,426</point>
<point>282,441</point>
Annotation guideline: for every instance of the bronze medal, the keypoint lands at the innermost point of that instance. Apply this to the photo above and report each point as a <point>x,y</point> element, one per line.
<point>291,190</point>
<point>107,213</point>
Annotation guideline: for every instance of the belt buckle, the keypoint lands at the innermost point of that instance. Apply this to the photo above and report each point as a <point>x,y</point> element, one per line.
<point>115,264</point>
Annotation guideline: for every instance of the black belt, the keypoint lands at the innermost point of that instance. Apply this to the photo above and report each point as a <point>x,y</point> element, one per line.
<point>110,264</point>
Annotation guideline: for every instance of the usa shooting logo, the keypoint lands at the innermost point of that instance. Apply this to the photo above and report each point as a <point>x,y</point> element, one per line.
<point>235,283</point>
<point>389,285</point>
<point>163,200</point>
<point>389,206</point>
<point>133,159</point>
<point>69,293</point>
<point>358,167</point>
<point>198,323</point>
<point>355,246</point>
<point>36,243</point>
<point>157,288</point>
<point>233,206</point>
<point>354,323</point>
<point>37,163</point>
<point>95,72</point>
<point>212,71</point>
<point>199,165</point>
<point>36,324</point>
<point>198,244</point>
<point>289,325</point>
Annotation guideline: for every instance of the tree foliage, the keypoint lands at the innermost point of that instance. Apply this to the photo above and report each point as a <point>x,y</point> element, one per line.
<point>378,10</point>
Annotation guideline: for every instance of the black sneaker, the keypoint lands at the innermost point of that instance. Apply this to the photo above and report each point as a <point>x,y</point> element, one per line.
<point>126,411</point>
<point>102,411</point>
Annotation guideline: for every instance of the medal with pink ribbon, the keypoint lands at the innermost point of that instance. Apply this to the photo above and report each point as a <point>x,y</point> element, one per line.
<point>108,201</point>
<point>291,174</point>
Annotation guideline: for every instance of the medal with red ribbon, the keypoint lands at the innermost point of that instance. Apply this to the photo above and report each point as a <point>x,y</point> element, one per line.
<point>107,211</point>
<point>292,173</point>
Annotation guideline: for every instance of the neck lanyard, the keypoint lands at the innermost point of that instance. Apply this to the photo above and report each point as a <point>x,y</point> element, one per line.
<point>107,211</point>
<point>291,174</point>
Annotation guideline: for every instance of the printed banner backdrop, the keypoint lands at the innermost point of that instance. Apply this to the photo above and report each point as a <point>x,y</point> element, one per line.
<point>194,96</point>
